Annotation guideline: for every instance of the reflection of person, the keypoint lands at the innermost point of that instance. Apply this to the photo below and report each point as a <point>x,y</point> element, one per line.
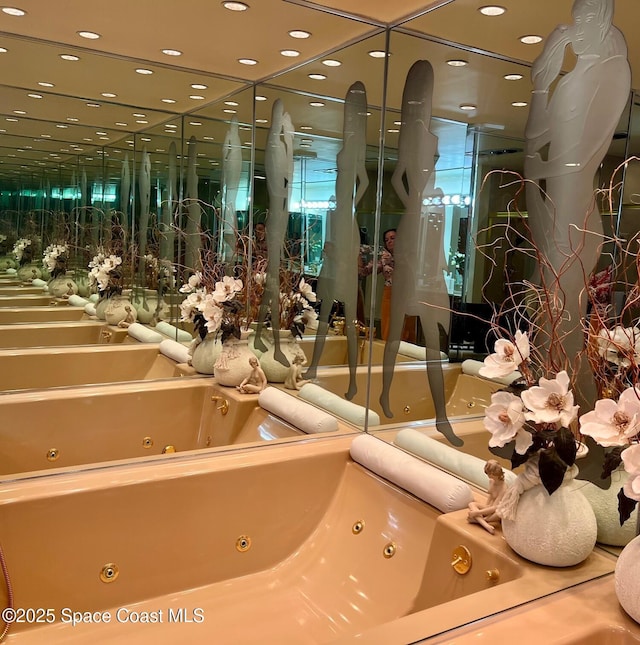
<point>419,287</point>
<point>256,381</point>
<point>260,241</point>
<point>294,380</point>
<point>485,515</point>
<point>386,267</point>
<point>568,133</point>
<point>338,279</point>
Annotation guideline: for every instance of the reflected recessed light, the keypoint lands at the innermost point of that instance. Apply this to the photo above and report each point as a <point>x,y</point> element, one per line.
<point>393,130</point>
<point>19,112</point>
<point>121,124</point>
<point>10,118</point>
<point>142,121</point>
<point>231,103</point>
<point>145,139</point>
<point>305,145</point>
<point>93,105</point>
<point>262,120</point>
<point>230,111</point>
<point>45,84</point>
<point>199,86</point>
<point>171,125</point>
<point>457,62</point>
<point>3,50</point>
<point>69,57</point>
<point>104,138</point>
<point>13,11</point>
<point>377,53</point>
<point>91,35</point>
<point>512,77</point>
<point>573,164</point>
<point>306,127</point>
<point>397,123</point>
<point>330,62</point>
<point>143,70</point>
<point>317,77</point>
<point>316,104</point>
<point>196,97</point>
<point>290,53</point>
<point>247,61</point>
<point>195,123</point>
<point>61,125</point>
<point>100,132</point>
<point>208,138</point>
<point>46,136</point>
<point>168,100</point>
<point>531,40</point>
<point>139,115</point>
<point>109,95</point>
<point>72,118</point>
<point>468,107</point>
<point>519,103</point>
<point>306,141</point>
<point>261,98</point>
<point>235,6</point>
<point>299,33</point>
<point>492,10</point>
<point>172,52</point>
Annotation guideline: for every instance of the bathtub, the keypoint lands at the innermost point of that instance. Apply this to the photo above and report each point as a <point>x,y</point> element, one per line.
<point>19,290</point>
<point>410,395</point>
<point>31,301</point>
<point>288,544</point>
<point>59,428</point>
<point>46,367</point>
<point>85,332</point>
<point>10,315</point>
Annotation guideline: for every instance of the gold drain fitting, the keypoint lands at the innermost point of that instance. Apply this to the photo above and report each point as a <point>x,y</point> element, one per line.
<point>147,442</point>
<point>471,404</point>
<point>493,575</point>
<point>52,454</point>
<point>357,527</point>
<point>109,572</point>
<point>168,448</point>
<point>243,543</point>
<point>389,550</point>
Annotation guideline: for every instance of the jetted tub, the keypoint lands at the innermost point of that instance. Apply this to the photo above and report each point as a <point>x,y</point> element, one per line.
<point>292,544</point>
<point>85,332</point>
<point>61,427</point>
<point>45,367</point>
<point>10,315</point>
<point>410,396</point>
<point>31,301</point>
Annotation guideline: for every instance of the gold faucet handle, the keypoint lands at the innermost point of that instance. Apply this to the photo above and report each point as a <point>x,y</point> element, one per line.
<point>224,405</point>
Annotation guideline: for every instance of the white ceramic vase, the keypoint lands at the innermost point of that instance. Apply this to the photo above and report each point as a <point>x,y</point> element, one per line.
<point>101,306</point>
<point>146,303</point>
<point>273,369</point>
<point>29,272</point>
<point>627,578</point>
<point>62,286</point>
<point>232,364</point>
<point>119,309</point>
<point>205,353</point>
<point>556,530</point>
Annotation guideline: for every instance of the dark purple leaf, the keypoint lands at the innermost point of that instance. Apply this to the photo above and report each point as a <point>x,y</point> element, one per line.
<point>551,469</point>
<point>625,506</point>
<point>566,446</point>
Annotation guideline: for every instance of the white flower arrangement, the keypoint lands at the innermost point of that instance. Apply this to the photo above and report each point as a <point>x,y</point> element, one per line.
<point>295,308</point>
<point>19,248</point>
<point>54,258</point>
<point>105,274</point>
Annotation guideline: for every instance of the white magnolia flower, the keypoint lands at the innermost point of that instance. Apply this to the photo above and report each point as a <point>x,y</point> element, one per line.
<point>618,345</point>
<point>192,283</point>
<point>551,401</point>
<point>212,313</point>
<point>611,423</point>
<point>631,461</point>
<point>504,419</point>
<point>226,289</point>
<point>260,277</point>
<point>305,289</point>
<point>507,356</point>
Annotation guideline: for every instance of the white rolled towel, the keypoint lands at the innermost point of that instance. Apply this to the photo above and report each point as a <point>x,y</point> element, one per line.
<point>417,351</point>
<point>11,271</point>
<point>177,352</point>
<point>335,404</point>
<point>38,282</point>
<point>90,309</point>
<point>451,459</point>
<point>78,301</point>
<point>179,335</point>
<point>443,491</point>
<point>472,368</point>
<point>144,334</point>
<point>94,297</point>
<point>299,414</point>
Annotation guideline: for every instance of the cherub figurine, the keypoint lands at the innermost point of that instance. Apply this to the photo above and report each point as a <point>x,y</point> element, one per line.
<point>294,380</point>
<point>129,319</point>
<point>256,381</point>
<point>484,515</point>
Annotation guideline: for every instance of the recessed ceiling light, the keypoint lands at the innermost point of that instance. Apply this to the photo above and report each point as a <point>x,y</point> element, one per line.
<point>61,125</point>
<point>143,70</point>
<point>145,139</point>
<point>492,10</point>
<point>290,53</point>
<point>230,111</point>
<point>306,140</point>
<point>316,104</point>
<point>71,118</point>
<point>199,86</point>
<point>142,121</point>
<point>171,125</point>
<point>519,103</point>
<point>172,52</point>
<point>247,61</point>
<point>168,100</point>
<point>45,84</point>
<point>512,77</point>
<point>305,145</point>
<point>104,138</point>
<point>330,62</point>
<point>377,53</point>
<point>195,123</point>
<point>231,103</point>
<point>208,138</point>
<point>19,112</point>
<point>531,40</point>
<point>261,98</point>
<point>317,77</point>
<point>69,57</point>
<point>262,120</point>
<point>468,107</point>
<point>121,124</point>
<point>196,97</point>
<point>457,62</point>
<point>13,11</point>
<point>109,95</point>
<point>91,35</point>
<point>3,50</point>
<point>139,115</point>
<point>397,123</point>
<point>306,127</point>
<point>235,6</point>
<point>93,105</point>
<point>46,136</point>
<point>393,130</point>
<point>299,33</point>
<point>100,132</point>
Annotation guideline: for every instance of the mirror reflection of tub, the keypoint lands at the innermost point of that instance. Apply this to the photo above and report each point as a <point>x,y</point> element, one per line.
<point>22,314</point>
<point>293,543</point>
<point>61,427</point>
<point>81,332</point>
<point>31,301</point>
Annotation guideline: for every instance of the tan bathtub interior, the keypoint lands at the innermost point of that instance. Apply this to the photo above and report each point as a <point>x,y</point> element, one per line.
<point>32,301</point>
<point>18,314</point>
<point>82,332</point>
<point>290,544</point>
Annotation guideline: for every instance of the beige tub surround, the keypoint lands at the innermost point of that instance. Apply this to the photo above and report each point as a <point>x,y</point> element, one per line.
<point>49,334</point>
<point>14,314</point>
<point>20,290</point>
<point>343,556</point>
<point>32,300</point>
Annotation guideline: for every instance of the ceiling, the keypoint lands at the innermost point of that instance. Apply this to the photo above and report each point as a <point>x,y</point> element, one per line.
<point>74,121</point>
